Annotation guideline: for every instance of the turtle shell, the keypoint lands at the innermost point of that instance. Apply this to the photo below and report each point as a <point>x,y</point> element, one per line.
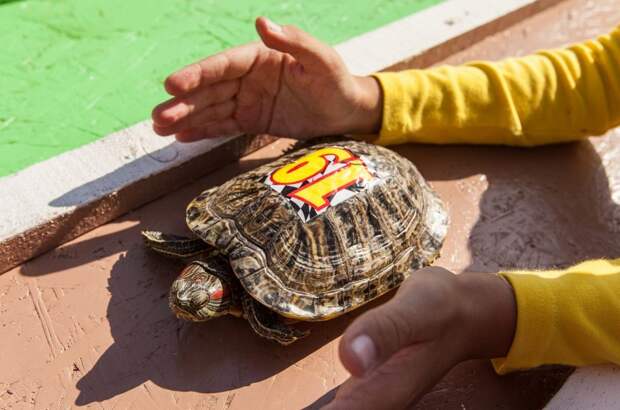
<point>323,230</point>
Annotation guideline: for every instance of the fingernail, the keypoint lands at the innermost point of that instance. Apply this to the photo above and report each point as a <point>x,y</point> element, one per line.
<point>276,28</point>
<point>365,350</point>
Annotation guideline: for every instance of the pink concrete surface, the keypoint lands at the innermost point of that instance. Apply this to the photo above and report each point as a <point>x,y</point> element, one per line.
<point>87,324</point>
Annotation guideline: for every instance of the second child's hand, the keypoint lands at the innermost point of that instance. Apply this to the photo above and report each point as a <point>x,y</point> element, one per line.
<point>397,351</point>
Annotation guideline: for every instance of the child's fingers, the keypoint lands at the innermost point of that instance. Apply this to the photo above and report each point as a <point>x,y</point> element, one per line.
<point>177,109</point>
<point>200,119</point>
<point>217,112</point>
<point>377,335</point>
<point>395,384</point>
<point>227,65</point>
<point>421,310</point>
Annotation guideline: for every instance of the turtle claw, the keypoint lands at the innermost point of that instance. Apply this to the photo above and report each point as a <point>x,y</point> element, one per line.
<point>174,246</point>
<point>292,336</point>
<point>270,325</point>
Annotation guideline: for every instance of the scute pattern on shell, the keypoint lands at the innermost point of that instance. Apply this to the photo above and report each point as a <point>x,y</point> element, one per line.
<point>341,259</point>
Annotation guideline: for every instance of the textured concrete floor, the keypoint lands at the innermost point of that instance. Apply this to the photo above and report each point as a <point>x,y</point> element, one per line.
<point>87,324</point>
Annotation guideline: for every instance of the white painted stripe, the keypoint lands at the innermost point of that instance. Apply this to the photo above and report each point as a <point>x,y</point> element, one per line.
<point>415,34</point>
<point>48,192</point>
<point>593,388</point>
<point>59,185</point>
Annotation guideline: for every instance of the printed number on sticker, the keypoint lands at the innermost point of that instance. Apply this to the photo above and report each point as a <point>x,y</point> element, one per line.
<point>321,178</point>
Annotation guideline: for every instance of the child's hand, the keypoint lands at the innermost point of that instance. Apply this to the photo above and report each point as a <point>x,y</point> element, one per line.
<point>399,350</point>
<point>290,84</point>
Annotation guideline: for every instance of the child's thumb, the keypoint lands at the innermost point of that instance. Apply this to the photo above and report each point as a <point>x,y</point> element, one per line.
<point>375,336</point>
<point>306,49</point>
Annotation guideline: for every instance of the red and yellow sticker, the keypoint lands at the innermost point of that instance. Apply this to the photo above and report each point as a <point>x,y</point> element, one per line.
<point>321,179</point>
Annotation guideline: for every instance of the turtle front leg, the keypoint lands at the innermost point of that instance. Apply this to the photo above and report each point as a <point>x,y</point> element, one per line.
<point>269,324</point>
<point>174,246</point>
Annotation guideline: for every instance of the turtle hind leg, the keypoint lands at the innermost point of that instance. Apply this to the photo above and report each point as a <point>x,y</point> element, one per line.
<point>269,324</point>
<point>174,246</point>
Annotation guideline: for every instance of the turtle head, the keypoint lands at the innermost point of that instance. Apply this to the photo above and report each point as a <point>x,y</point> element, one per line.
<point>198,294</point>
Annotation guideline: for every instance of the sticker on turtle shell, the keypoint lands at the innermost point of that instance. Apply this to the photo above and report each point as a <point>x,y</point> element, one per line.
<point>321,179</point>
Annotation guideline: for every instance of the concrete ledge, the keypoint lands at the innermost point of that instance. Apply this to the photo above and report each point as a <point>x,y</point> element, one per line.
<point>61,198</point>
<point>594,388</point>
<point>47,204</point>
<point>433,34</point>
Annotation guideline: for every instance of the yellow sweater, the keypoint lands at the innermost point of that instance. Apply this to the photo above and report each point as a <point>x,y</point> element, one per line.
<point>565,316</point>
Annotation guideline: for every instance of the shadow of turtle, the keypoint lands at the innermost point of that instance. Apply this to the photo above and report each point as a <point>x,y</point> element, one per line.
<point>151,344</point>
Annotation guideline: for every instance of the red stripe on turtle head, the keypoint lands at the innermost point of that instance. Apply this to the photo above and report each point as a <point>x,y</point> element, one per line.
<point>220,293</point>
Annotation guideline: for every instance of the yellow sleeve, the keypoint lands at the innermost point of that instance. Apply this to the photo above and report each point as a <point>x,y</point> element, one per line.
<point>567,317</point>
<point>548,97</point>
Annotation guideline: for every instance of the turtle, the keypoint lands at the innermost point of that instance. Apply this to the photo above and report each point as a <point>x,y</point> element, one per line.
<point>310,236</point>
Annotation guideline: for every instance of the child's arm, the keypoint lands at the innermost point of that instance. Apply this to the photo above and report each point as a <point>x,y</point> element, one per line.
<point>548,97</point>
<point>566,317</point>
<point>398,350</point>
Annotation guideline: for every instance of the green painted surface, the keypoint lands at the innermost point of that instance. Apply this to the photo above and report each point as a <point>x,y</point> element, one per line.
<point>72,71</point>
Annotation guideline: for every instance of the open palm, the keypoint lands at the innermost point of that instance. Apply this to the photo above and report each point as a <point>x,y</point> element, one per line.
<point>290,84</point>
